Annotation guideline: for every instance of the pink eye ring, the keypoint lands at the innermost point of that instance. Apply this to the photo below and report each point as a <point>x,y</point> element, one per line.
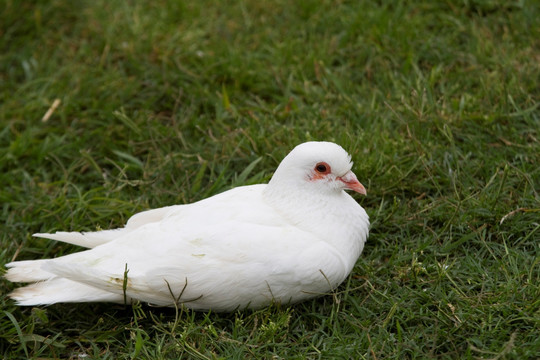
<point>322,168</point>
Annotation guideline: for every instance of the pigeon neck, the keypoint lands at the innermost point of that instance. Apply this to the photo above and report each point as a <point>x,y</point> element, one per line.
<point>297,200</point>
<point>334,218</point>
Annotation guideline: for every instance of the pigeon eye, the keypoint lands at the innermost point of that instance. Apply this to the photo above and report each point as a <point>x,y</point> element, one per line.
<point>322,168</point>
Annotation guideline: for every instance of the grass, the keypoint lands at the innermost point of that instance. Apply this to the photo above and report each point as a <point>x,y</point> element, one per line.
<point>169,102</point>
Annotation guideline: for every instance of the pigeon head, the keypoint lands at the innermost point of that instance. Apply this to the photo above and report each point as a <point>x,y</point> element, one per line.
<point>322,166</point>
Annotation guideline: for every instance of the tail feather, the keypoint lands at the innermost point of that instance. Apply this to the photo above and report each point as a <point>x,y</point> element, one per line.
<point>96,238</point>
<point>84,239</point>
<point>28,271</point>
<point>49,288</point>
<point>61,290</point>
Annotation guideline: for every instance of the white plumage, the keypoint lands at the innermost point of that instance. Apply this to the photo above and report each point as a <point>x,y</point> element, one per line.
<point>294,238</point>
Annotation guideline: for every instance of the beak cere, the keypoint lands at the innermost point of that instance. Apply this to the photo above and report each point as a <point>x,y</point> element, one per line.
<point>352,183</point>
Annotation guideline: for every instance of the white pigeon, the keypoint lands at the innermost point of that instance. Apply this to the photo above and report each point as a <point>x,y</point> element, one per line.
<point>292,239</point>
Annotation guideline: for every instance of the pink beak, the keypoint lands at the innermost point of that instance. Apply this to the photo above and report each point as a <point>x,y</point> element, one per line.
<point>352,183</point>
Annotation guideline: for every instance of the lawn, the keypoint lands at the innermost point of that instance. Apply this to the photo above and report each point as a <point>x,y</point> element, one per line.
<point>109,108</point>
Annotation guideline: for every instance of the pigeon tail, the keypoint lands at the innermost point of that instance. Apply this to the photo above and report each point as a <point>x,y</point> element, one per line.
<point>60,290</point>
<point>84,239</point>
<point>28,271</point>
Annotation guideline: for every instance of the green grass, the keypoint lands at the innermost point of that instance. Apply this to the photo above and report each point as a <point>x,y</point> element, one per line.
<point>167,102</point>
